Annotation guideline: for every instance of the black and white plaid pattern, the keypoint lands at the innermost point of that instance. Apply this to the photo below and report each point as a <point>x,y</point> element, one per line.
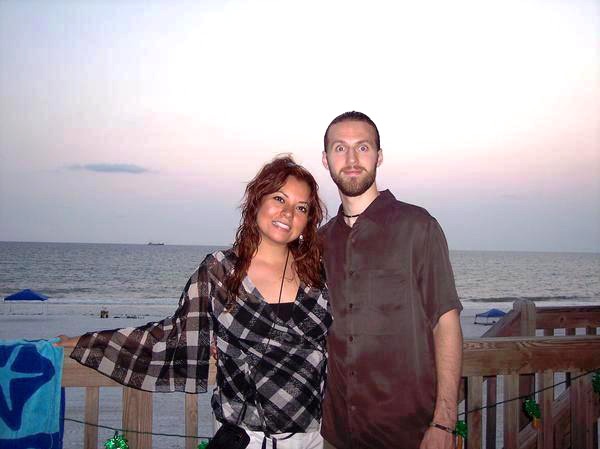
<point>276,367</point>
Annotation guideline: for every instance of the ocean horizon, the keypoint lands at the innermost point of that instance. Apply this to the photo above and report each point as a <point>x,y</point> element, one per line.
<point>226,245</point>
<point>139,273</point>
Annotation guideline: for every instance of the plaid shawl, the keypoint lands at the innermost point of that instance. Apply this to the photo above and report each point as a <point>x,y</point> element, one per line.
<point>275,368</point>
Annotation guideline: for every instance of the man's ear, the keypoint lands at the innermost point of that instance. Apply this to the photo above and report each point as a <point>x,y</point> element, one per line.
<point>379,157</point>
<point>324,159</point>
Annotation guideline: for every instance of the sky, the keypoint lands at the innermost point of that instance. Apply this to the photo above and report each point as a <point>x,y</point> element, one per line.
<point>128,121</point>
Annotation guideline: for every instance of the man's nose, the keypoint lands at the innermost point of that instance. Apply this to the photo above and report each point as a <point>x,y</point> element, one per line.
<point>350,156</point>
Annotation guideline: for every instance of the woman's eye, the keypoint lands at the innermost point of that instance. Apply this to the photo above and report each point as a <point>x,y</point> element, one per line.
<point>303,209</point>
<point>278,198</point>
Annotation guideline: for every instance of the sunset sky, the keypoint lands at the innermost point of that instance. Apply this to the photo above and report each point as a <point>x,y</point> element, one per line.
<point>132,121</point>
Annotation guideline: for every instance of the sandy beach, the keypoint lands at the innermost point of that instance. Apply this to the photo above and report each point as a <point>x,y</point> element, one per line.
<point>41,322</point>
<point>33,321</point>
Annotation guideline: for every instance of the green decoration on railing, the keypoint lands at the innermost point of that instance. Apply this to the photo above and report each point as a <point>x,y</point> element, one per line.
<point>203,445</point>
<point>116,442</point>
<point>596,382</point>
<point>533,411</point>
<point>460,430</point>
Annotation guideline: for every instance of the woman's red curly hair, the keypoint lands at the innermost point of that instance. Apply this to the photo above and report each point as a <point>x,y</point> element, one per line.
<point>306,254</point>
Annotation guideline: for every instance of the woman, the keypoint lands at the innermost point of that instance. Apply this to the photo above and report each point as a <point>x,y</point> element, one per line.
<point>265,303</point>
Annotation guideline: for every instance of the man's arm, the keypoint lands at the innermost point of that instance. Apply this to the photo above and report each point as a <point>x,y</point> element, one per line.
<point>448,343</point>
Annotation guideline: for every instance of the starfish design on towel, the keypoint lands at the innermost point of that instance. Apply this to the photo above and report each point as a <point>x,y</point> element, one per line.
<point>19,380</point>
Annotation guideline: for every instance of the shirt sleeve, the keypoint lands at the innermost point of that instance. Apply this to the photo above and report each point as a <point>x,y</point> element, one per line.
<point>437,279</point>
<point>169,355</point>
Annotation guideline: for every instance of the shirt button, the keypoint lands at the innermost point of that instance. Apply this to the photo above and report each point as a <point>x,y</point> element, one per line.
<point>352,408</point>
<point>353,373</point>
<point>351,306</point>
<point>351,273</point>
<point>350,338</point>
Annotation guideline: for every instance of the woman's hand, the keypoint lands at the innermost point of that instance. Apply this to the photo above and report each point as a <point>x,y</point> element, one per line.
<point>67,342</point>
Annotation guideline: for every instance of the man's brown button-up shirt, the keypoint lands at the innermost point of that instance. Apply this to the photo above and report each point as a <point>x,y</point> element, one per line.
<point>390,279</point>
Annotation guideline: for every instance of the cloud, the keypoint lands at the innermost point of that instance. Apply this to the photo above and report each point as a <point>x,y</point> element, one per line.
<point>111,168</point>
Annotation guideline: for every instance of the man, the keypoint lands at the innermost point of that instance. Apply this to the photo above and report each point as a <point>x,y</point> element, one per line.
<point>395,346</point>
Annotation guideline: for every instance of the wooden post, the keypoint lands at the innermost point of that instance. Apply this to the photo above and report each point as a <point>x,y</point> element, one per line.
<point>595,407</point>
<point>527,320</point>
<point>546,433</point>
<point>491,412</point>
<point>92,408</point>
<point>527,327</point>
<point>137,415</point>
<point>581,437</point>
<point>474,401</point>
<point>191,420</point>
<point>511,411</point>
<point>569,331</point>
<point>591,419</point>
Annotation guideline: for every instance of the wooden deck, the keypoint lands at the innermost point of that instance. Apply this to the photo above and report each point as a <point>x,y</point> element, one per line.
<point>510,359</point>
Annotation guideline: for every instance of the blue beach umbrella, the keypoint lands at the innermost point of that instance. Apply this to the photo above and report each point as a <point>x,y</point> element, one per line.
<point>26,295</point>
<point>492,313</point>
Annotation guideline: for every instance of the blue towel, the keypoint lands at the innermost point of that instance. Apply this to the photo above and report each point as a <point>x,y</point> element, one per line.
<point>31,398</point>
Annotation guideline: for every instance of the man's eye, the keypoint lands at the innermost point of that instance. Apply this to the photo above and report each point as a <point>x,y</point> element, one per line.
<point>363,148</point>
<point>339,148</point>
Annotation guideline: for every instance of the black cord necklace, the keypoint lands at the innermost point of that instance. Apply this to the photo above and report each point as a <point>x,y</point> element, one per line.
<point>351,216</point>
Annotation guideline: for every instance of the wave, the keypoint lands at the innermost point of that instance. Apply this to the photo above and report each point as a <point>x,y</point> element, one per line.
<point>531,298</point>
<point>159,301</point>
<point>67,291</point>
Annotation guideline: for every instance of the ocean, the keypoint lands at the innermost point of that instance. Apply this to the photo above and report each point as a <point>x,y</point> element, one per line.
<point>146,274</point>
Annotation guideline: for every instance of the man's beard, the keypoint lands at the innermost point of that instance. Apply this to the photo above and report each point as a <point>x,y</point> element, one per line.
<point>354,186</point>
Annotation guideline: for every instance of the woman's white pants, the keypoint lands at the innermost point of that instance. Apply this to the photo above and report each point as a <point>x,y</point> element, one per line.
<point>306,440</point>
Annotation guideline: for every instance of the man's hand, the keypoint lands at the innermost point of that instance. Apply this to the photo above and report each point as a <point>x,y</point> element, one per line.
<point>437,439</point>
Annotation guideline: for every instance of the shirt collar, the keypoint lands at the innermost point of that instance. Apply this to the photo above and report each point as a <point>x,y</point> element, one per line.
<point>374,211</point>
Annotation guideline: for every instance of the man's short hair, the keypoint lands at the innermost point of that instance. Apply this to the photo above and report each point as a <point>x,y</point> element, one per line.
<point>353,116</point>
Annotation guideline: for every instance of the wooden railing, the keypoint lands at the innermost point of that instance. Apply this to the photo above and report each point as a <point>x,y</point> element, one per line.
<point>486,359</point>
<point>137,406</point>
<point>568,421</point>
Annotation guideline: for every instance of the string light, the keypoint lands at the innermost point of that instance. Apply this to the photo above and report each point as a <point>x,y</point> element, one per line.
<point>596,382</point>
<point>139,432</point>
<point>460,430</point>
<point>116,442</point>
<point>525,396</point>
<point>533,411</point>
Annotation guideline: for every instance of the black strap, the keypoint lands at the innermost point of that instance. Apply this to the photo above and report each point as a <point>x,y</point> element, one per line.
<point>274,440</point>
